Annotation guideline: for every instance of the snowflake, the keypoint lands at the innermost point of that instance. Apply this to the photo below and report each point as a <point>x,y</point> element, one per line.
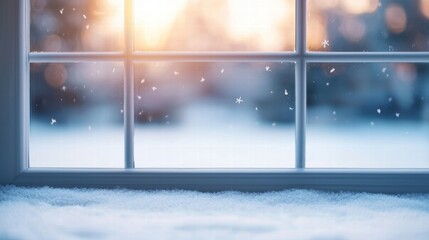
<point>62,11</point>
<point>378,110</point>
<point>221,71</point>
<point>176,73</point>
<point>139,97</point>
<point>239,100</point>
<point>286,93</point>
<point>325,43</point>
<point>89,128</point>
<point>202,79</point>
<point>397,114</point>
<point>142,81</point>
<point>267,68</point>
<point>87,27</point>
<point>64,88</point>
<point>53,121</point>
<point>113,70</point>
<point>154,89</point>
<point>84,16</point>
<point>332,70</point>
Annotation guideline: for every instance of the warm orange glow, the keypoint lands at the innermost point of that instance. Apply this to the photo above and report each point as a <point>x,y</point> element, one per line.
<point>55,75</point>
<point>353,29</point>
<point>256,19</point>
<point>153,21</point>
<point>324,4</point>
<point>317,33</point>
<point>166,24</point>
<point>424,8</point>
<point>396,18</point>
<point>360,6</point>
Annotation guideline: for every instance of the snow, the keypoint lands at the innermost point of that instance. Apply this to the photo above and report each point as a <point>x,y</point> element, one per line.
<point>325,43</point>
<point>47,213</point>
<point>239,100</point>
<point>213,136</point>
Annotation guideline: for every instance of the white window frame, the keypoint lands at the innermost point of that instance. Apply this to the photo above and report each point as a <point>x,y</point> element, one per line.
<point>14,123</point>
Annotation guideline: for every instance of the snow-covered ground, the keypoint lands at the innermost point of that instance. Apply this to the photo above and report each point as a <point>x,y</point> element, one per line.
<point>46,213</point>
<point>240,147</point>
<point>215,137</point>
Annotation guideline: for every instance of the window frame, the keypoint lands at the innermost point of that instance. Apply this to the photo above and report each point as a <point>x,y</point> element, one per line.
<point>14,165</point>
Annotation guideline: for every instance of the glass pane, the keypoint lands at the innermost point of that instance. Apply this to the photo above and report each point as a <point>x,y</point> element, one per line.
<point>368,115</point>
<point>213,25</point>
<point>76,115</point>
<point>214,115</point>
<point>368,25</point>
<point>76,25</point>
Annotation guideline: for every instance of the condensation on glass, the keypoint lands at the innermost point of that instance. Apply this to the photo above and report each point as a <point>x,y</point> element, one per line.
<point>214,115</point>
<point>368,115</point>
<point>76,115</point>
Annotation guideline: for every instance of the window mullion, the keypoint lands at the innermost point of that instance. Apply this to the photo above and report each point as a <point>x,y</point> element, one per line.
<point>129,86</point>
<point>300,83</point>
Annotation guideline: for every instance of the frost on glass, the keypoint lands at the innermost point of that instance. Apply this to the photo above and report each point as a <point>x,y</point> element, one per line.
<point>214,115</point>
<point>210,25</point>
<point>368,25</point>
<point>368,115</point>
<point>76,115</point>
<point>76,25</point>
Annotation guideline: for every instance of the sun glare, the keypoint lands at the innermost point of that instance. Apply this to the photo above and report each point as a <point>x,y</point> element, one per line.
<point>153,21</point>
<point>255,19</point>
<point>251,23</point>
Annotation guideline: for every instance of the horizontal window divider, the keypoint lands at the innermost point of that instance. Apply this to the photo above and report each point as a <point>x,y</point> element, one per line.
<point>339,57</point>
<point>164,56</point>
<point>216,56</point>
<point>343,57</point>
<point>249,180</point>
<point>59,57</point>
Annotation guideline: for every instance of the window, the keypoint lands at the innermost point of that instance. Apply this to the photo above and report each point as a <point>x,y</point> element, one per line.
<point>345,97</point>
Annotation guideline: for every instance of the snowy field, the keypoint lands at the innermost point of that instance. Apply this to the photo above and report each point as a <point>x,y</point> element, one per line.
<point>46,213</point>
<point>245,146</point>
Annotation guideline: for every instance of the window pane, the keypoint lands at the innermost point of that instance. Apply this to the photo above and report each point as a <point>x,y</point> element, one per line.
<point>76,25</point>
<point>214,115</point>
<point>210,25</point>
<point>76,115</point>
<point>368,115</point>
<point>368,25</point>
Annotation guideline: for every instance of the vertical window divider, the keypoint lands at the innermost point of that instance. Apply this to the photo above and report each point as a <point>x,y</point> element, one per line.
<point>300,82</point>
<point>24,81</point>
<point>129,84</point>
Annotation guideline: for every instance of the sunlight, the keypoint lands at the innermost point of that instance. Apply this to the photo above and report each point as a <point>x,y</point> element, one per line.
<point>250,24</point>
<point>361,6</point>
<point>153,21</point>
<point>257,19</point>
